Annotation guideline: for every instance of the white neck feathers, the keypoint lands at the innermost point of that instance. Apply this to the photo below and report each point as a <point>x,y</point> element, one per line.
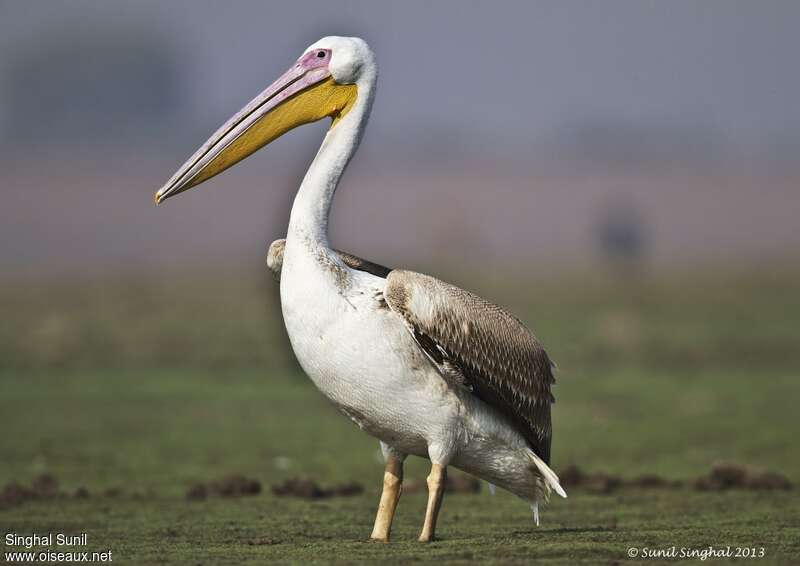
<point>309,218</point>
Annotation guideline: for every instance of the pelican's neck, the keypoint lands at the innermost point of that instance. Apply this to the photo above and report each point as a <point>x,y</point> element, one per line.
<point>312,205</point>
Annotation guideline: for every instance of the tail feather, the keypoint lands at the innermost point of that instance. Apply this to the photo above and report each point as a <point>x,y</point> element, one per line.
<point>547,480</point>
<point>550,477</point>
<point>535,509</point>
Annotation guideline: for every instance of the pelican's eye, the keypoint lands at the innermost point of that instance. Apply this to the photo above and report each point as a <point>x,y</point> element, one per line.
<point>321,54</point>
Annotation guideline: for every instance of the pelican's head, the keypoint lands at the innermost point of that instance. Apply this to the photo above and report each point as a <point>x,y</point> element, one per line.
<point>324,82</point>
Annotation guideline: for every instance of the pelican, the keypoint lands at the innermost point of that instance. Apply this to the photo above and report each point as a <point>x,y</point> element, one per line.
<point>425,367</point>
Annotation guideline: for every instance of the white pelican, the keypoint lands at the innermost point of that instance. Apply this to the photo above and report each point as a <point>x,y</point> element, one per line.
<point>423,366</point>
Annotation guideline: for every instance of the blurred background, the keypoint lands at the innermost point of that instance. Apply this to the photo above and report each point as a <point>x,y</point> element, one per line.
<point>622,175</point>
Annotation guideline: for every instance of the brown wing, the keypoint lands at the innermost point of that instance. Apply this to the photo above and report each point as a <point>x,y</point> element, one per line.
<point>355,262</point>
<point>487,348</point>
<point>275,261</point>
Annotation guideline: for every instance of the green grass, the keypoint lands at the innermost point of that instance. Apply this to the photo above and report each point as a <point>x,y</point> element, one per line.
<point>588,528</point>
<point>662,378</point>
<point>153,433</point>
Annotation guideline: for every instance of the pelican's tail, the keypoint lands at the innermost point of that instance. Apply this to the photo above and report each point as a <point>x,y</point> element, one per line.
<point>549,477</point>
<point>546,481</point>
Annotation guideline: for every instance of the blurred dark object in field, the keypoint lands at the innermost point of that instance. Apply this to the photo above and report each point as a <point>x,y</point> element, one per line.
<point>235,485</point>
<point>15,493</point>
<point>197,491</point>
<point>47,487</point>
<point>728,475</point>
<point>264,541</point>
<point>44,486</point>
<point>621,236</point>
<point>305,488</point>
<point>455,483</point>
<point>723,475</point>
<point>299,487</point>
<point>598,482</point>
<point>113,492</point>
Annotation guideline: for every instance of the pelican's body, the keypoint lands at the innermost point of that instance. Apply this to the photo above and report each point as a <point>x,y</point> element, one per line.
<point>426,368</point>
<point>361,356</point>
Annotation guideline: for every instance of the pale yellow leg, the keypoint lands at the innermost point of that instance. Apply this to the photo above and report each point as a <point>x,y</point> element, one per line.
<point>436,481</point>
<point>392,487</point>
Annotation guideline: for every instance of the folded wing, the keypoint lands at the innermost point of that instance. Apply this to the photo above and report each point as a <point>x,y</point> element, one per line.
<point>473,343</point>
<point>479,345</point>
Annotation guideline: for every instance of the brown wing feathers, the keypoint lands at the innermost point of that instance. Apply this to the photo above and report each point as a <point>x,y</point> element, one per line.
<point>498,357</point>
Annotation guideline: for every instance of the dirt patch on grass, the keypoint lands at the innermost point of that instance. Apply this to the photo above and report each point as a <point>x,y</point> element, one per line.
<point>728,475</point>
<point>305,488</point>
<point>13,494</point>
<point>113,492</point>
<point>722,476</point>
<point>46,487</point>
<point>597,482</point>
<point>264,541</point>
<point>43,487</point>
<point>235,485</point>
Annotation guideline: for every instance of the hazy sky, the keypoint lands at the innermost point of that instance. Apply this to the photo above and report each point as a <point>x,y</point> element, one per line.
<point>452,163</point>
<point>517,71</point>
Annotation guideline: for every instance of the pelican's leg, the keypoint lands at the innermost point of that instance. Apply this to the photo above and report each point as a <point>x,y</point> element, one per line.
<point>392,488</point>
<point>436,481</point>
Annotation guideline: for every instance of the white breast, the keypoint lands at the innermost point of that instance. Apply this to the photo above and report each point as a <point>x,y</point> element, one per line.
<point>360,356</point>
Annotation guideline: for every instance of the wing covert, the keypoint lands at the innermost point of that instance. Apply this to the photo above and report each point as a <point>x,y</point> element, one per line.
<point>275,261</point>
<point>495,354</point>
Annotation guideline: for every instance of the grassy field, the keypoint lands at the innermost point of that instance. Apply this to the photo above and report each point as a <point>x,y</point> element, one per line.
<point>663,378</point>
